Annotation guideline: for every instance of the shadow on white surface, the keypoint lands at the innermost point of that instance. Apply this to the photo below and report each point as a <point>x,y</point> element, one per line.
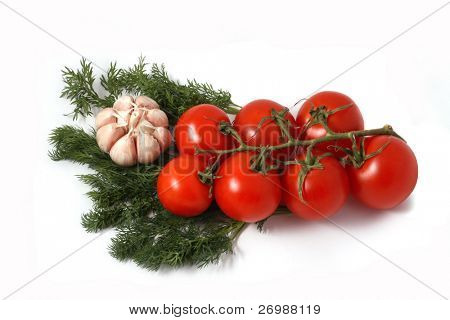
<point>353,214</point>
<point>357,214</point>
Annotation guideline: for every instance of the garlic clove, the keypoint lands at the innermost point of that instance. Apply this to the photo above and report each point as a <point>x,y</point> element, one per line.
<point>134,119</point>
<point>146,102</point>
<point>163,136</point>
<point>108,135</point>
<point>123,152</point>
<point>157,117</point>
<point>123,117</point>
<point>148,149</point>
<point>145,126</point>
<point>124,103</point>
<point>105,116</point>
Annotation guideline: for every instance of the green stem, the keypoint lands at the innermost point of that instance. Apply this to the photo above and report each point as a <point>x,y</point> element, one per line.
<point>386,130</point>
<point>236,229</point>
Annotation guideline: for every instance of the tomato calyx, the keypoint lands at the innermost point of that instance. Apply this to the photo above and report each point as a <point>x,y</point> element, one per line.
<point>357,155</point>
<point>207,176</point>
<point>260,163</point>
<point>227,129</point>
<point>308,164</point>
<point>320,114</point>
<point>279,117</point>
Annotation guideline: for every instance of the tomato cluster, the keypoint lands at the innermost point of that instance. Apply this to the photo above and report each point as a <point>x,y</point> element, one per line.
<point>249,184</point>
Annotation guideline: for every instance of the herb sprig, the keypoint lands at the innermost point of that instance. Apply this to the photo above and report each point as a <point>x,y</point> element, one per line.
<point>172,96</point>
<point>126,198</point>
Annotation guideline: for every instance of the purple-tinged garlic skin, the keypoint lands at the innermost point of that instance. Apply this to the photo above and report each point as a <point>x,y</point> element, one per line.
<point>157,118</point>
<point>108,135</point>
<point>104,117</point>
<point>148,149</point>
<point>146,102</point>
<point>123,152</point>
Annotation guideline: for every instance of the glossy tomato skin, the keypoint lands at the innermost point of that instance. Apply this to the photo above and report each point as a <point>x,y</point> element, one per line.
<point>346,120</point>
<point>198,127</point>
<point>243,194</point>
<point>324,190</point>
<point>179,189</point>
<point>250,116</point>
<point>387,179</point>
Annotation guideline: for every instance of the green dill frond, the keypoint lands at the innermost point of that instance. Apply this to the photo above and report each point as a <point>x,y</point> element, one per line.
<point>112,84</point>
<point>126,198</point>
<point>118,194</point>
<point>172,96</point>
<point>165,240</point>
<point>79,89</point>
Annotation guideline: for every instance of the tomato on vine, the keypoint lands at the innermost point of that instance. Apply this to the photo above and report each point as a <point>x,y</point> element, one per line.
<point>198,127</point>
<point>324,189</point>
<point>337,111</point>
<point>256,126</point>
<point>388,176</point>
<point>179,188</point>
<point>244,194</point>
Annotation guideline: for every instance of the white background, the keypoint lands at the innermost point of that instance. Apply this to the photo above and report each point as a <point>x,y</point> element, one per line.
<point>282,50</point>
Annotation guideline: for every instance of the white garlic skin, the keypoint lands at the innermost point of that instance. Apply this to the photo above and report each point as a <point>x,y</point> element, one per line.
<point>146,102</point>
<point>134,119</point>
<point>123,152</point>
<point>157,117</point>
<point>148,149</point>
<point>163,136</point>
<point>146,126</point>
<point>133,130</point>
<point>124,103</point>
<point>123,118</point>
<point>108,135</point>
<point>104,117</point>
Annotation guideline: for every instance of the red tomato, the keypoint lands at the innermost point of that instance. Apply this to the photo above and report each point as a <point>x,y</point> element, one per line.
<point>349,119</point>
<point>249,118</point>
<point>388,178</point>
<point>243,194</point>
<point>198,127</point>
<point>324,190</point>
<point>180,190</point>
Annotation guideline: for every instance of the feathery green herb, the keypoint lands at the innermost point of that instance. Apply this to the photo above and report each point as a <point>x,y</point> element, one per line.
<point>126,198</point>
<point>166,240</point>
<point>172,96</point>
<point>118,194</point>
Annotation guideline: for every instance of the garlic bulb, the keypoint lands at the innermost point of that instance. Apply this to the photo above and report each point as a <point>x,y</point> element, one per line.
<point>133,130</point>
